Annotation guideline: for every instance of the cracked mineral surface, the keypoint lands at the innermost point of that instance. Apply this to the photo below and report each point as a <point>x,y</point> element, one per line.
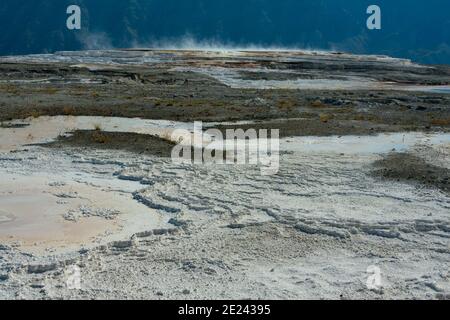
<point>87,182</point>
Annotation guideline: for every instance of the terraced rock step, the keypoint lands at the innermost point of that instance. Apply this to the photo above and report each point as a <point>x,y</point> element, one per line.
<point>92,207</point>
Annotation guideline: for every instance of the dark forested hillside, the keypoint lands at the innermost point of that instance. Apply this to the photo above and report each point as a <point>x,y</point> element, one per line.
<point>419,30</point>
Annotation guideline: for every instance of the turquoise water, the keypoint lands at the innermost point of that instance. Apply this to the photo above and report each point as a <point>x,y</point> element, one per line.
<point>440,90</point>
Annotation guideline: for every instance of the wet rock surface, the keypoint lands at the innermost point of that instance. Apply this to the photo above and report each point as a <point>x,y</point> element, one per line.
<point>188,86</point>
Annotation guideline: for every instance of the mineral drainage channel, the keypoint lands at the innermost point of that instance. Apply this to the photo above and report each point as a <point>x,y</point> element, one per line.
<point>49,210</point>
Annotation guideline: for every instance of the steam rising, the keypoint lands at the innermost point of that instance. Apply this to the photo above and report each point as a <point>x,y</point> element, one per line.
<point>189,42</point>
